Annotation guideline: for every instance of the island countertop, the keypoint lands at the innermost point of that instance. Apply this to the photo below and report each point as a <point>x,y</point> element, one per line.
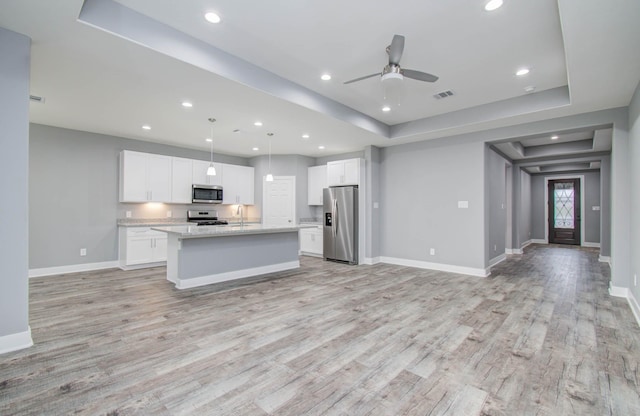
<point>205,231</point>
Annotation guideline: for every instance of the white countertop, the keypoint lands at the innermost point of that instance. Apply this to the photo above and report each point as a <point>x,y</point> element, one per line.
<point>202,231</point>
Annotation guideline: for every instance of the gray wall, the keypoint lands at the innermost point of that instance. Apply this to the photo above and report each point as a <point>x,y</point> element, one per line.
<point>591,218</point>
<point>73,191</point>
<point>14,177</point>
<point>495,205</point>
<point>525,207</point>
<point>634,163</point>
<point>420,186</point>
<point>372,156</point>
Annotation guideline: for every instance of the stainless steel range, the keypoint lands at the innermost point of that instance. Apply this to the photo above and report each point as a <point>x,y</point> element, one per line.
<point>205,217</point>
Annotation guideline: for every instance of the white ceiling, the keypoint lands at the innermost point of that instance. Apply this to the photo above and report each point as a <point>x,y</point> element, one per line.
<point>583,57</point>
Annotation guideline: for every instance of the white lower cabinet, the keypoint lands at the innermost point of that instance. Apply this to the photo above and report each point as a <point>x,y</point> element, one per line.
<point>311,241</point>
<point>142,247</point>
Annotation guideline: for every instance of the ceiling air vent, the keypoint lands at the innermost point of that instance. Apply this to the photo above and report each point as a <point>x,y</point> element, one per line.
<point>443,94</point>
<point>36,99</point>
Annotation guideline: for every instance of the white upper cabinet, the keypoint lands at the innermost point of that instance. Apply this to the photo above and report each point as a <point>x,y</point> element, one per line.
<point>343,172</point>
<point>238,185</point>
<point>200,176</point>
<point>316,182</point>
<point>181,180</point>
<point>144,177</point>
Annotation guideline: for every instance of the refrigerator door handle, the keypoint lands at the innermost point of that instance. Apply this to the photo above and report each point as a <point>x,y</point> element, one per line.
<point>334,215</point>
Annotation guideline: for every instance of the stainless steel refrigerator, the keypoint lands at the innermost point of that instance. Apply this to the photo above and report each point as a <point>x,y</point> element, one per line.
<point>340,219</point>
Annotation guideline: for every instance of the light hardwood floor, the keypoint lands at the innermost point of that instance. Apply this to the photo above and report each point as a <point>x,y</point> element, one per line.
<point>540,336</point>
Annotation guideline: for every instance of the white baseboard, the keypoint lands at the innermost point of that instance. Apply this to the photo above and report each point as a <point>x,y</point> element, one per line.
<point>509,251</point>
<point>306,253</point>
<point>605,259</point>
<point>538,241</point>
<point>435,266</point>
<point>498,259</point>
<point>14,342</point>
<point>73,268</point>
<point>618,292</point>
<point>635,308</point>
<point>588,244</point>
<point>515,251</point>
<point>371,260</point>
<point>236,274</point>
<point>525,244</point>
<point>623,292</point>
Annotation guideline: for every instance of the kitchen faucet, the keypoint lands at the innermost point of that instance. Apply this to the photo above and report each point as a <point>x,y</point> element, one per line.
<point>240,211</point>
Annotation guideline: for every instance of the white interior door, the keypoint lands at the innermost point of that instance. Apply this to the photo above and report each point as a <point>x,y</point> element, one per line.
<point>279,201</point>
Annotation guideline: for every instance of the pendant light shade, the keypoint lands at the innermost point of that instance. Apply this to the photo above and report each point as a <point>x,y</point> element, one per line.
<point>269,177</point>
<point>211,170</point>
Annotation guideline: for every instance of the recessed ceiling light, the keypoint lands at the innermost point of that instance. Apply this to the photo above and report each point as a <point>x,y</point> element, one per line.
<point>522,71</point>
<point>325,77</point>
<point>255,149</point>
<point>386,108</point>
<point>305,136</point>
<point>146,127</point>
<point>212,17</point>
<point>258,123</point>
<point>554,137</point>
<point>187,104</point>
<point>492,5</point>
<point>321,147</point>
<point>208,140</point>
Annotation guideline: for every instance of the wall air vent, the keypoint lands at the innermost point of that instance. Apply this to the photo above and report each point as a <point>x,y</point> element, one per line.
<point>443,94</point>
<point>36,99</point>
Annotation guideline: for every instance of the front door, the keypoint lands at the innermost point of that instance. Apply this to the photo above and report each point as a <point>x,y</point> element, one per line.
<point>564,211</point>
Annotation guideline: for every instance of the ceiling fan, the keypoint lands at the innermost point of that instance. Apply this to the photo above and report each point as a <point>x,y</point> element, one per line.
<point>393,69</point>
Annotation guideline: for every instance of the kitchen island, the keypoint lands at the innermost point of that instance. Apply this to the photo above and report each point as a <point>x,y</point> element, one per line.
<point>201,255</point>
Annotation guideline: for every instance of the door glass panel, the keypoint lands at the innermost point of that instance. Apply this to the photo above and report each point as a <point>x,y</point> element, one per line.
<point>563,197</point>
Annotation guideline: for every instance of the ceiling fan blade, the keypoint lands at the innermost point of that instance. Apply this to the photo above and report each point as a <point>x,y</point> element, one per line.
<point>395,49</point>
<point>361,78</point>
<point>419,75</point>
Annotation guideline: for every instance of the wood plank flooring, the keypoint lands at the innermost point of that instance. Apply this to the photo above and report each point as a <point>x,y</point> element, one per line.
<point>540,336</point>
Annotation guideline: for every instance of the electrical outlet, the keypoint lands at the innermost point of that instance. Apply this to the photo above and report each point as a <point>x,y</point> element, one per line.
<point>169,214</point>
<point>83,251</point>
<point>128,214</point>
<point>432,251</point>
<point>495,247</point>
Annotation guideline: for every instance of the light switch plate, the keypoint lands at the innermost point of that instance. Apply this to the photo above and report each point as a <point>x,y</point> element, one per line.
<point>595,208</point>
<point>128,214</point>
<point>463,204</point>
<point>375,205</point>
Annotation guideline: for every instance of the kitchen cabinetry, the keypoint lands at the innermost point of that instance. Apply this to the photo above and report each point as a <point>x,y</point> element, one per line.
<point>311,241</point>
<point>343,172</point>
<point>142,247</point>
<point>144,177</point>
<point>181,180</point>
<point>317,181</point>
<point>237,185</point>
<point>200,176</point>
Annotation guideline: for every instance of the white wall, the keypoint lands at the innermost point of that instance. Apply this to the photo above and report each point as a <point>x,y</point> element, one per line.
<point>14,204</point>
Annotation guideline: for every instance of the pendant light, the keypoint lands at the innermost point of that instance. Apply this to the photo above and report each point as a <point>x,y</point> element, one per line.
<point>269,177</point>
<point>211,170</point>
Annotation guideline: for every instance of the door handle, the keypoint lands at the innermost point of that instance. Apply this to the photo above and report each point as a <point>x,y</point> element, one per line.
<point>334,215</point>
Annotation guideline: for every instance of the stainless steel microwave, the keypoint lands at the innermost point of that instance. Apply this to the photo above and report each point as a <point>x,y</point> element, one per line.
<point>206,194</point>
